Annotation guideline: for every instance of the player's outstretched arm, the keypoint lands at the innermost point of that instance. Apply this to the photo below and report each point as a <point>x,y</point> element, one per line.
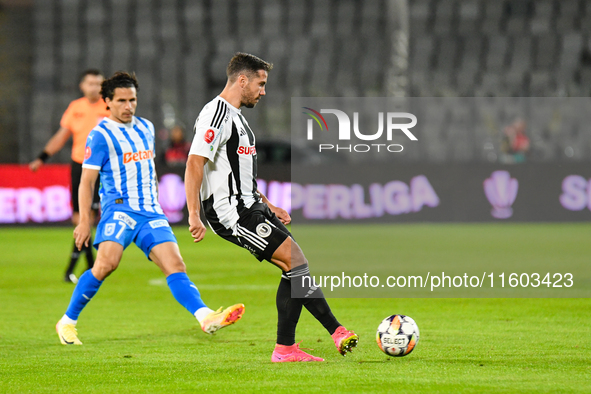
<point>279,212</point>
<point>85,193</point>
<point>54,145</point>
<point>193,180</point>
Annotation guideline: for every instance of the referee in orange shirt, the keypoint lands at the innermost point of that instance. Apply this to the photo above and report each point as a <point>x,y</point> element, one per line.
<point>78,120</point>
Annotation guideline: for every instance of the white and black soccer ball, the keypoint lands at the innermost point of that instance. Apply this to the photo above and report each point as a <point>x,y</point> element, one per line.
<point>397,335</point>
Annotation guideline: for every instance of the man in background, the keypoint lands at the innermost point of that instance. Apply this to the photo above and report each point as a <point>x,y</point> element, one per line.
<point>177,152</point>
<point>78,120</point>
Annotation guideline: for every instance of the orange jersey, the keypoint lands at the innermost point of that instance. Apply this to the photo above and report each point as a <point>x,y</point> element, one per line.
<point>80,118</point>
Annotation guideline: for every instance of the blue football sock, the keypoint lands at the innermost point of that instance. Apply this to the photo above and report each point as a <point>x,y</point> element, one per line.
<point>86,288</point>
<point>185,292</point>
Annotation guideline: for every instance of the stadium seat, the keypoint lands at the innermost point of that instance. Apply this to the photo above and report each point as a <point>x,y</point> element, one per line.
<point>444,14</point>
<point>321,70</point>
<point>253,45</point>
<point>169,24</point>
<point>272,18</point>
<point>421,50</point>
<point>321,16</point>
<point>540,24</point>
<point>224,49</point>
<point>95,13</point>
<point>545,51</point>
<point>247,24</point>
<point>520,54</point>
<point>493,14</point>
<point>194,20</point>
<point>496,54</point>
<point>469,16</point>
<point>446,59</point>
<point>345,20</point>
<point>296,18</point>
<point>121,56</point>
<point>572,44</point>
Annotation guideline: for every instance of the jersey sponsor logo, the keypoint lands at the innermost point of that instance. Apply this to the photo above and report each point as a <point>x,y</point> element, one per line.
<point>125,218</point>
<point>87,153</point>
<point>137,156</point>
<point>247,150</point>
<point>209,136</point>
<point>263,230</point>
<point>159,223</point>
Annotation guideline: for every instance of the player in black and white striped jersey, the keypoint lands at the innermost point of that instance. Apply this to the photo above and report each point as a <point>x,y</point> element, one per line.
<point>229,182</point>
<point>222,165</point>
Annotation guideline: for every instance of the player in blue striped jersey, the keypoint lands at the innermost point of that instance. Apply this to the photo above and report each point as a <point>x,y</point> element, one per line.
<point>121,149</point>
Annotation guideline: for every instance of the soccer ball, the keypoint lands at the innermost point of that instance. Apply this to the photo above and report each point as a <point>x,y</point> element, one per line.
<point>397,335</point>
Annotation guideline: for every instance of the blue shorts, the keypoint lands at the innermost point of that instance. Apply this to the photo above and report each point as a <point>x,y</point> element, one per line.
<point>123,226</point>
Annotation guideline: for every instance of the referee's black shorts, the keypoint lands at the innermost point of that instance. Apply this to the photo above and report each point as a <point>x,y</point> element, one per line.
<point>258,230</point>
<point>76,174</point>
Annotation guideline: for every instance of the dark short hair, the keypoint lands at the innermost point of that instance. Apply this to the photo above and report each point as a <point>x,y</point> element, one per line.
<point>244,63</point>
<point>121,79</point>
<point>91,71</point>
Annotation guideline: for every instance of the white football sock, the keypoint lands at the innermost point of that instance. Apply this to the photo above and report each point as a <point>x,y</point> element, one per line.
<point>202,313</point>
<point>66,320</point>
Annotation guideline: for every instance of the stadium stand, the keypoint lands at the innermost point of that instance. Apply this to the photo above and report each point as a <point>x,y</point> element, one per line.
<point>457,48</point>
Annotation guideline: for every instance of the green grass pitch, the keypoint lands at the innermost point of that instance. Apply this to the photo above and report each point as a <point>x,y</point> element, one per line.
<point>137,339</point>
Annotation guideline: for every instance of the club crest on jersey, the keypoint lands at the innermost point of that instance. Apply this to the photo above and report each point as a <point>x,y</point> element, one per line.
<point>247,150</point>
<point>109,229</point>
<point>263,230</point>
<point>209,136</point>
<point>137,156</point>
<point>87,153</point>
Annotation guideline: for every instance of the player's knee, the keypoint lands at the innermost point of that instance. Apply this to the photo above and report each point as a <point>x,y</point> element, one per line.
<point>174,266</point>
<point>179,266</point>
<point>297,256</point>
<point>103,268</point>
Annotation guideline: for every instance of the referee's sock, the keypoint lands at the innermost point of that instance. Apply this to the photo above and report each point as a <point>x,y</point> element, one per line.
<point>288,312</point>
<point>89,254</point>
<point>86,288</point>
<point>185,292</point>
<point>312,297</point>
<point>73,259</point>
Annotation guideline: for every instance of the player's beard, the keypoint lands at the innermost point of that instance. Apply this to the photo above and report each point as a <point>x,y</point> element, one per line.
<point>249,100</point>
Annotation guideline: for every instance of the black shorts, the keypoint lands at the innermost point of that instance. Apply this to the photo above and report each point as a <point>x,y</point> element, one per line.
<point>76,174</point>
<point>259,231</point>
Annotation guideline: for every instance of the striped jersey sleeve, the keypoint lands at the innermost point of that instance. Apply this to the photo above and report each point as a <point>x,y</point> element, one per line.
<point>96,153</point>
<point>209,130</point>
